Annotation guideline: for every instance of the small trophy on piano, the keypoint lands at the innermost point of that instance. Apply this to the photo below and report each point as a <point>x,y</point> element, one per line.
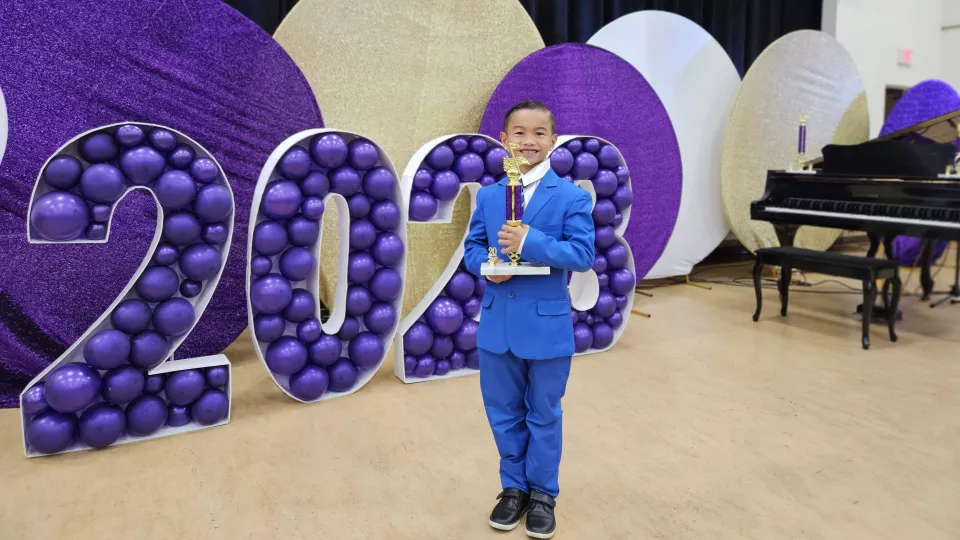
<point>800,165</point>
<point>514,207</point>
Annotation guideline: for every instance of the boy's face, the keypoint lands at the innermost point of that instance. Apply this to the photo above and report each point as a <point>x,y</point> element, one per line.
<point>530,129</point>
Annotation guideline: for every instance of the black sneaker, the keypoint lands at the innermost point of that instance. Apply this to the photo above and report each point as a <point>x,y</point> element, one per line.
<point>540,520</point>
<point>507,513</point>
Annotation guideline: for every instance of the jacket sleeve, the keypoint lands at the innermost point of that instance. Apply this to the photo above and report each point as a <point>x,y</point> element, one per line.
<point>475,244</point>
<point>575,252</point>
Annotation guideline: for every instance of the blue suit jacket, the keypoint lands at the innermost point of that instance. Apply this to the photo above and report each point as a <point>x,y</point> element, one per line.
<point>530,315</point>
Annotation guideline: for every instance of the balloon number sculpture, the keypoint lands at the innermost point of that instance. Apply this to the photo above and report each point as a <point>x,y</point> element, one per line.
<point>113,385</point>
<point>440,333</point>
<point>308,172</point>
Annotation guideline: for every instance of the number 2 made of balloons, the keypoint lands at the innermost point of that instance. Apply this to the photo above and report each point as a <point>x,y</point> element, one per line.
<point>118,382</point>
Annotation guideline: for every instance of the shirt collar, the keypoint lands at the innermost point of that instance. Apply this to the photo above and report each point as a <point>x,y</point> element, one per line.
<point>536,173</point>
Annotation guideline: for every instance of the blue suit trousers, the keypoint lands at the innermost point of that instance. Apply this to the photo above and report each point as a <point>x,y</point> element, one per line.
<point>522,401</point>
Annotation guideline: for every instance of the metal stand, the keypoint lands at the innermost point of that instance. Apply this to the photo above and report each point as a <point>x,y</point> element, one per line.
<point>686,280</point>
<point>636,311</point>
<point>954,295</point>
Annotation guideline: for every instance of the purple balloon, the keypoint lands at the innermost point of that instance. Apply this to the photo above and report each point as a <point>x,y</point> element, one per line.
<point>388,249</point>
<point>360,267</point>
<point>574,316</point>
<point>96,231</point>
<point>622,281</point>
<point>60,216</point>
<point>281,199</point>
<point>204,170</point>
<point>604,237</point>
<point>268,328</point>
<point>606,305</point>
<point>100,212</point>
<point>178,415</point>
<point>478,145</point>
<point>386,284</point>
<point>301,306</point>
<point>469,167</point>
<point>185,387</point>
<point>592,146</point>
<point>575,146</point>
<point>409,363</point>
<point>602,335</point>
<point>585,165</point>
<point>213,203</point>
<point>211,408</point>
<point>153,384</point>
<point>481,286</point>
<point>603,280</point>
<point>615,320</point>
<point>294,164</point>
<point>190,288</point>
<point>494,160</point>
<point>309,330</point>
<point>63,172</point>
<point>270,293</point>
<point>622,197</point>
<point>616,256</point>
<point>130,135</point>
<point>343,375</point>
<point>302,231</point>
<point>72,387</point>
<point>385,215</point>
<point>379,184</point>
<point>362,154</point>
<point>621,301</point>
<point>445,185</point>
<point>461,286</point>
<point>309,383</point>
<point>561,161</point>
<point>142,165</point>
<point>181,157</point>
<point>441,157</point>
<point>214,233</point>
<point>473,359</point>
<point>422,179</point>
<point>582,337</point>
<point>316,184</point>
<point>457,359</point>
<point>423,206</point>
<point>175,190</point>
<point>162,139</point>
<point>51,432</point>
<point>166,254</point>
<point>200,262</point>
<point>109,348</point>
<point>426,365</point>
<point>617,221</point>
<point>443,367</point>
<point>366,350</point>
<point>604,183</point>
<point>471,307</point>
<point>345,181</point>
<point>608,157</point>
<point>359,300</point>
<point>173,317</point>
<point>269,238</point>
<point>362,234</point>
<point>459,144</point>
<point>296,264</point>
<point>442,346</point>
<point>418,339</point>
<point>33,401</point>
<point>101,425</point>
<point>604,212</point>
<point>217,376</point>
<point>122,385</point>
<point>102,183</point>
<point>487,180</point>
<point>380,318</point>
<point>328,150</point>
<point>444,315</point>
<point>146,415</point>
<point>260,265</point>
<point>359,205</point>
<point>326,350</point>
<point>465,338</point>
<point>147,349</point>
<point>312,208</point>
<point>181,228</point>
<point>286,356</point>
<point>349,329</point>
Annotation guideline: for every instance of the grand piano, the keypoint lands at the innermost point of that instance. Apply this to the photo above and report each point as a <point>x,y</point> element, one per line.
<point>893,185</point>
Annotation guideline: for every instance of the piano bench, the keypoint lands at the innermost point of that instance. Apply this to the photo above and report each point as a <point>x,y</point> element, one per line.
<point>864,269</point>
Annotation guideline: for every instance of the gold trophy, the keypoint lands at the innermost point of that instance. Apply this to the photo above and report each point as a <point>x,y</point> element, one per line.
<point>514,210</point>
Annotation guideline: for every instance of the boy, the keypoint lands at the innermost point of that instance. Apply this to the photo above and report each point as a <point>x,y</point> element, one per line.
<point>526,334</point>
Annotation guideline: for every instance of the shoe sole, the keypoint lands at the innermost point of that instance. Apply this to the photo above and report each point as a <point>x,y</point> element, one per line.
<point>540,535</point>
<point>504,527</point>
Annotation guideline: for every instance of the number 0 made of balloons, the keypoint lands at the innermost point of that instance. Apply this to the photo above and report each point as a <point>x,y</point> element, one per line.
<point>310,359</point>
<point>118,383</point>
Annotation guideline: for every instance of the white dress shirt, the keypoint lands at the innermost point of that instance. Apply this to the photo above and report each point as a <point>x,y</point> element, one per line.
<point>530,181</point>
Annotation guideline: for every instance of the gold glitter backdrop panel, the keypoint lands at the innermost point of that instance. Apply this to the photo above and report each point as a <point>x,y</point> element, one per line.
<point>406,71</point>
<point>803,72</point>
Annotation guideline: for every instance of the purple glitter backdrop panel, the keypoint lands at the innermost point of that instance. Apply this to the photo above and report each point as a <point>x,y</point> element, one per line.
<point>68,66</point>
<point>596,93</point>
<point>924,101</point>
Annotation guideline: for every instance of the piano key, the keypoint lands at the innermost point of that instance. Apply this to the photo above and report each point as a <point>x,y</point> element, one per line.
<point>879,219</point>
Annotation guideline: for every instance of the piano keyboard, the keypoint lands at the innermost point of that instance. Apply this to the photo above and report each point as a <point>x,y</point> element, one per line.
<point>865,217</point>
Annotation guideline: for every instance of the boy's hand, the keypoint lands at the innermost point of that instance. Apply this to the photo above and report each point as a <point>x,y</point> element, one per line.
<point>511,237</point>
<point>498,279</point>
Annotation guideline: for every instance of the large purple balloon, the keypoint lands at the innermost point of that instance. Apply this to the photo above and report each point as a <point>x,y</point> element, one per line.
<point>184,387</point>
<point>366,349</point>
<point>309,383</point>
<point>270,293</point>
<point>444,315</point>
<point>63,172</point>
<point>173,317</point>
<point>343,375</point>
<point>103,183</point>
<point>147,349</point>
<point>286,356</point>
<point>386,284</point>
<point>465,338</point>
<point>295,163</point>
<point>445,185</point>
<point>423,206</point>
<point>211,408</point>
<point>146,415</point>
<point>175,189</point>
<point>51,432</point>
<point>131,316</point>
<point>582,337</point>
<point>200,262</point>
<point>326,350</point>
<point>418,339</point>
<point>281,199</point>
<point>85,86</point>
<point>101,425</point>
<point>329,150</point>
<point>461,286</point>
<point>109,348</point>
<point>60,215</point>
<point>72,387</point>
<point>34,400</point>
<point>268,328</point>
<point>122,385</point>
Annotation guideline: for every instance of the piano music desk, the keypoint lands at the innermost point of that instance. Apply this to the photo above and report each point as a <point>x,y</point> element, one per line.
<point>865,269</point>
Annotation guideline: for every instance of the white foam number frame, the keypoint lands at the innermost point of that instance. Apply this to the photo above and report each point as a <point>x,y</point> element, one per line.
<point>169,364</point>
<point>4,125</point>
<point>584,287</point>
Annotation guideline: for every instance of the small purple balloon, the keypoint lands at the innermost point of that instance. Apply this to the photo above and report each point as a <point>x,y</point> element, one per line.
<point>442,346</point>
<point>575,146</point>
<point>217,376</point>
<point>585,165</point>
<point>162,139</point>
<point>621,301</point>
<point>603,280</point>
<point>360,267</point>
<point>212,407</point>
<point>181,157</point>
<point>582,337</point>
<point>147,349</point>
<point>469,167</point>
<point>349,329</point>
<point>214,233</point>
<point>109,348</point>
<point>602,335</point>
<point>604,211</point>
<point>268,328</point>
<point>379,184</point>
<point>362,234</point>
<point>465,338</point>
<point>561,161</point>
<point>302,231</point>
<point>178,415</point>
<point>33,401</point>
<point>153,384</point>
<point>204,170</point>
<point>326,350</point>
<point>294,164</point>
<point>142,165</point>
<point>72,387</point>
<point>473,359</point>
<point>286,356</point>
<point>457,360</point>
<point>181,228</point>
<point>423,206</point>
<point>281,199</point>
<point>146,415</point>
<point>98,148</point>
<point>366,350</point>
<point>459,144</point>
<point>184,387</point>
<point>343,375</point>
<point>481,286</point>
<point>471,307</point>
<point>200,262</point>
<point>122,385</point>
<point>345,181</point>
<point>359,205</point>
<point>494,160</point>
<point>309,330</point>
<point>101,425</point>
<point>381,318</point>
<point>213,203</point>
<point>359,300</point>
<point>157,283</point>
<point>166,254</point>
<point>604,182</point>
<point>271,293</point>
<point>385,285</point>
<point>422,179</point>
<point>51,432</point>
<point>269,238</point>
<point>309,383</point>
<point>622,281</point>
<point>96,231</point>
<point>387,249</point>
<point>444,315</point>
<point>446,185</point>
<point>312,208</point>
<point>622,198</point>
<point>175,190</point>
<point>260,265</point>
<point>362,154</point>
<point>59,216</point>
<point>615,320</point>
<point>409,363</point>
<point>623,174</point>
<point>100,212</point>
<point>616,255</point>
<point>487,180</point>
<point>604,237</point>
<point>461,286</point>
<point>441,157</point>
<point>130,135</point>
<point>173,317</point>
<point>385,215</point>
<point>592,146</point>
<point>418,339</point>
<point>296,264</point>
<point>443,367</point>
<point>617,220</point>
<point>328,150</point>
<point>478,145</point>
<point>426,365</point>
<point>605,306</point>
<point>301,306</point>
<point>608,157</point>
<point>316,184</point>
<point>63,172</point>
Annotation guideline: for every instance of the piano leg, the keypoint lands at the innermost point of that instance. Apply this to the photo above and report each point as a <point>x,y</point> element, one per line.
<point>897,285</point>
<point>786,273</point>
<point>926,280</point>
<point>869,294</point>
<point>757,269</point>
<point>884,312</point>
<point>875,244</point>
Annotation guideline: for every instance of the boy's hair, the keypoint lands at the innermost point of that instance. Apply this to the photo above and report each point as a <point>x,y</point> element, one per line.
<point>530,104</point>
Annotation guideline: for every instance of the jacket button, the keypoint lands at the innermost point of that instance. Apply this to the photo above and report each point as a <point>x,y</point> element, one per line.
<point>510,294</point>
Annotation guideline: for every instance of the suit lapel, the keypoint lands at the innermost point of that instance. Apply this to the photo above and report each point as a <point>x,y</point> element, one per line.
<point>541,196</point>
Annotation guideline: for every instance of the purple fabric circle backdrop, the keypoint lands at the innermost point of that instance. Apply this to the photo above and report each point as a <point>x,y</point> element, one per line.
<point>595,92</point>
<point>199,67</point>
<point>924,101</point>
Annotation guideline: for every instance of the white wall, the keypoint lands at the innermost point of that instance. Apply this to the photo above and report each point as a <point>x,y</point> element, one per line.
<point>950,43</point>
<point>873,31</point>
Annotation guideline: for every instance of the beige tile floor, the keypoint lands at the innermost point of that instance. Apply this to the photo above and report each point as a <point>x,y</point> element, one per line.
<point>700,424</point>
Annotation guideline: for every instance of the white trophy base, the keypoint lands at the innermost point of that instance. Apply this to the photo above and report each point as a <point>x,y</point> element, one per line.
<point>505,269</point>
